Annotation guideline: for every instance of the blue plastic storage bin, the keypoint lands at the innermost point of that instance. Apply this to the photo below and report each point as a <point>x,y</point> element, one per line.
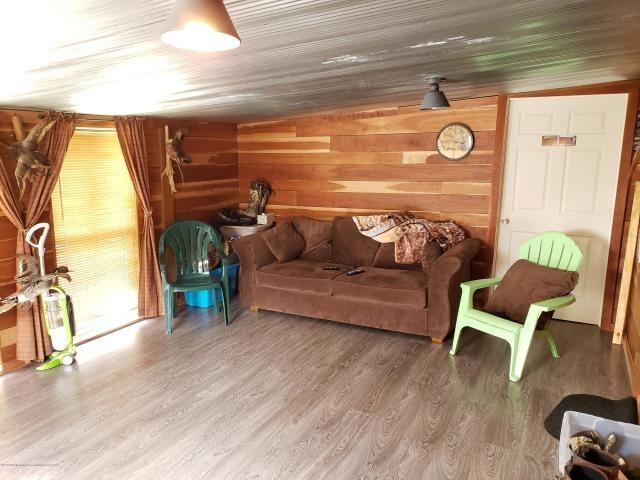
<point>206,298</point>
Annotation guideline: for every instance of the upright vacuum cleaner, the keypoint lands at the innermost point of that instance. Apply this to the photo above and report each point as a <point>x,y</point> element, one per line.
<point>57,309</point>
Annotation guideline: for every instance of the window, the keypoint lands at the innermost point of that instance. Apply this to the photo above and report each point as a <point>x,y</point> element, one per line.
<point>96,232</point>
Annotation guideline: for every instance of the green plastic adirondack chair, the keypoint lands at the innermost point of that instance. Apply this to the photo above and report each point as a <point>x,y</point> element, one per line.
<point>551,249</point>
<point>190,241</point>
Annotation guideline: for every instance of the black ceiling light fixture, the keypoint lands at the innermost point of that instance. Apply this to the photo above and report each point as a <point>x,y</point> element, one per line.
<point>200,25</point>
<point>434,99</point>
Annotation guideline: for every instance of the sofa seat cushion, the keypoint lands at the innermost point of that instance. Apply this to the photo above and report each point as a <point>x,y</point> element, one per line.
<point>401,287</point>
<point>300,275</point>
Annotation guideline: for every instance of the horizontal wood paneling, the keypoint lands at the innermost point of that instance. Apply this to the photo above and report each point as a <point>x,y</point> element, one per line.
<point>440,173</point>
<point>401,142</point>
<point>375,161</point>
<point>353,186</point>
<point>632,330</point>
<point>629,174</point>
<point>481,119</point>
<point>631,334</point>
<point>440,203</point>
<point>204,186</point>
<point>287,145</point>
<point>328,158</point>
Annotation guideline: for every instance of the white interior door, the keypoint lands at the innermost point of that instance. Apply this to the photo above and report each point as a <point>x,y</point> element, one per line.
<point>569,189</point>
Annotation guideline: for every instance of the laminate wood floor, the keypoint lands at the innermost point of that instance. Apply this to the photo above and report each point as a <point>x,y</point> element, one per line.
<point>277,396</point>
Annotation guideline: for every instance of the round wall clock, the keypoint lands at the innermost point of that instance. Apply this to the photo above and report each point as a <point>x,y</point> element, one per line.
<point>455,141</point>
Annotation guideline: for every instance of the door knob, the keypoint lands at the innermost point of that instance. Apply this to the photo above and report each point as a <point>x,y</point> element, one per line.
<point>504,221</point>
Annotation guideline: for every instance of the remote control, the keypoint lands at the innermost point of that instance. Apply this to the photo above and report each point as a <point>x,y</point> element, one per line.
<point>355,272</point>
<point>329,267</point>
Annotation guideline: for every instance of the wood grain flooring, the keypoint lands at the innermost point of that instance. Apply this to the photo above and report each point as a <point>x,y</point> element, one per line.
<point>276,396</point>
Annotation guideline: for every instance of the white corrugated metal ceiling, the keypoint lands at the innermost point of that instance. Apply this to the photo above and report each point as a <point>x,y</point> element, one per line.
<point>303,56</point>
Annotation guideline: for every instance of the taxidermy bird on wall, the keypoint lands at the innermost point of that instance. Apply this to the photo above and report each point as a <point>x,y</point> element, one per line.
<point>174,147</point>
<point>31,284</point>
<point>175,154</point>
<point>28,156</point>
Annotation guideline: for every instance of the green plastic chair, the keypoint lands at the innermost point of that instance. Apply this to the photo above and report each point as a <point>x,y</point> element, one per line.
<point>190,241</point>
<point>551,249</point>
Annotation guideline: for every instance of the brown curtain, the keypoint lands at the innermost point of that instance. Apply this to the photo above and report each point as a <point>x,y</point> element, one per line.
<point>33,343</point>
<point>131,136</point>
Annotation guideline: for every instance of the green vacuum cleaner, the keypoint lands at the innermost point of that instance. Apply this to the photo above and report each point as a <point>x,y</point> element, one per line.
<point>57,308</point>
<point>58,314</point>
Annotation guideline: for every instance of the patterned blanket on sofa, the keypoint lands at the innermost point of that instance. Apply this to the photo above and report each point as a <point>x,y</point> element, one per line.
<point>409,233</point>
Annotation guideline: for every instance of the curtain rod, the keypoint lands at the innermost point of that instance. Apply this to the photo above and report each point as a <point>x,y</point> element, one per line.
<point>89,119</point>
<point>81,116</point>
<point>82,128</point>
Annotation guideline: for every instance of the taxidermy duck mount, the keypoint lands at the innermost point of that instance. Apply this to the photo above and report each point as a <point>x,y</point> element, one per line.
<point>27,154</point>
<point>175,154</point>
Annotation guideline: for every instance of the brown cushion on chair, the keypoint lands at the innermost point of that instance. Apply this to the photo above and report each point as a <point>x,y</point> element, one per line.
<point>400,287</point>
<point>349,246</point>
<point>526,283</point>
<point>386,258</point>
<point>284,242</point>
<point>317,238</point>
<point>300,276</point>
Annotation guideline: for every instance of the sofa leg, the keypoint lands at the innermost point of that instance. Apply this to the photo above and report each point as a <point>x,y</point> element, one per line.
<point>437,339</point>
<point>254,309</point>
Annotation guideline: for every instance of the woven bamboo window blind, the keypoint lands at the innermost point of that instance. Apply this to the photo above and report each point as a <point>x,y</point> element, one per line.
<point>96,232</point>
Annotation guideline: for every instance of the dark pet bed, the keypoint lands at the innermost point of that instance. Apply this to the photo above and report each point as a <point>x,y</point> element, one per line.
<point>620,410</point>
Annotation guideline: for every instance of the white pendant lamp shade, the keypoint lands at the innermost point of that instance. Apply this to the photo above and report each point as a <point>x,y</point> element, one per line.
<point>200,25</point>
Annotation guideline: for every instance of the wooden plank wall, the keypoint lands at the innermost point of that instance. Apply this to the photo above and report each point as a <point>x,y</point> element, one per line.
<point>378,161</point>
<point>634,177</point>
<point>209,183</point>
<point>631,340</point>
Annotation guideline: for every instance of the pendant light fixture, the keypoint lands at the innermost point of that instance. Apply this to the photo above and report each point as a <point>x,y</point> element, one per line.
<point>200,25</point>
<point>434,99</point>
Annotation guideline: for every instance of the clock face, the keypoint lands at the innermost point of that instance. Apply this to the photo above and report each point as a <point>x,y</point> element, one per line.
<point>455,141</point>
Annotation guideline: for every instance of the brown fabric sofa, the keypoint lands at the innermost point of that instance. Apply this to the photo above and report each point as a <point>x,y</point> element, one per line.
<point>403,298</point>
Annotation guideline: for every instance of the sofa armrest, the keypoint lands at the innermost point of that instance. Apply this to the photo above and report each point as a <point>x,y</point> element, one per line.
<point>253,254</point>
<point>448,272</point>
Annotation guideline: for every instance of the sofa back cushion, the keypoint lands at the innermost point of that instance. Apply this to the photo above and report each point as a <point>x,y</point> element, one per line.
<point>317,238</point>
<point>386,257</point>
<point>284,242</point>
<point>349,246</point>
